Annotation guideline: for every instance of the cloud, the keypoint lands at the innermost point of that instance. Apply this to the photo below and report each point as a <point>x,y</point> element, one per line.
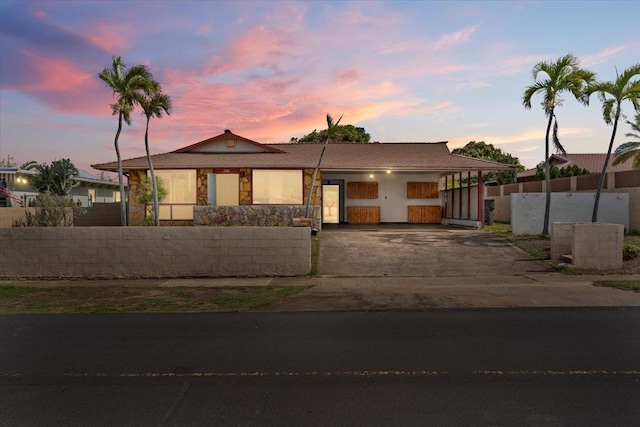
<point>447,41</point>
<point>260,48</point>
<point>348,76</point>
<point>528,149</point>
<point>110,37</point>
<point>600,57</point>
<point>59,83</point>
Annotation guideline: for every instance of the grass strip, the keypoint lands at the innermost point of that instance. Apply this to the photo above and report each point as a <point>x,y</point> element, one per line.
<point>536,246</point>
<point>627,285</point>
<point>118,299</point>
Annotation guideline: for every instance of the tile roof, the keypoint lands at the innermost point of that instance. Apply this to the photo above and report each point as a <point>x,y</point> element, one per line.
<point>592,162</point>
<point>375,156</point>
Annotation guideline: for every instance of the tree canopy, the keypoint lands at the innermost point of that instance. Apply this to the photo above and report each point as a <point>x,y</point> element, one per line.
<point>482,150</point>
<point>630,149</point>
<point>58,178</point>
<point>347,134</point>
<point>564,172</point>
<point>626,87</point>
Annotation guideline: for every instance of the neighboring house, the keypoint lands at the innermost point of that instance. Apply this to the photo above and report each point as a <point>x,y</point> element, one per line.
<point>356,183</point>
<point>591,162</point>
<point>91,189</point>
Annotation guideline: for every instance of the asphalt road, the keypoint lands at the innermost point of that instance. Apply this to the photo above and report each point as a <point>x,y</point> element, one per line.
<point>444,367</point>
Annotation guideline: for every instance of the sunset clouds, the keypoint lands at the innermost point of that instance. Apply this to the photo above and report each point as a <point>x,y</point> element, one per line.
<point>423,71</point>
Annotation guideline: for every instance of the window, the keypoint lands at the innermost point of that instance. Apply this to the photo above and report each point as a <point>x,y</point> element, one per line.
<point>181,194</point>
<point>277,187</point>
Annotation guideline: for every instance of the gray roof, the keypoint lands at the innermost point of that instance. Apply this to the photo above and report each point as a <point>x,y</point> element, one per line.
<point>419,156</point>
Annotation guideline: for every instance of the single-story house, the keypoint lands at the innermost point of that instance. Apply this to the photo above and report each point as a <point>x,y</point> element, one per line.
<point>592,162</point>
<point>356,183</point>
<point>90,190</point>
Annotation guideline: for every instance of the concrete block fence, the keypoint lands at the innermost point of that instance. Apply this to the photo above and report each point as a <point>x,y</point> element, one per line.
<point>131,252</point>
<point>591,245</point>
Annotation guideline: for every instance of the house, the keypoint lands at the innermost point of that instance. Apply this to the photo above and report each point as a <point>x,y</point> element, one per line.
<point>91,189</point>
<point>591,162</point>
<point>356,183</point>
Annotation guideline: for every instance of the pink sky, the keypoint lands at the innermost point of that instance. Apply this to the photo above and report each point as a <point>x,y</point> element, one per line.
<point>269,71</point>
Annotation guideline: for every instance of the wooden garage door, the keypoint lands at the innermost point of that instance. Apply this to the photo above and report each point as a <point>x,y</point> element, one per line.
<point>424,214</point>
<point>363,214</point>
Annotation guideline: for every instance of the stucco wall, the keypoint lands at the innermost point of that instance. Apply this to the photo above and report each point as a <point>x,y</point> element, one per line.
<point>527,209</point>
<point>8,215</point>
<point>155,252</point>
<point>392,192</point>
<point>502,193</point>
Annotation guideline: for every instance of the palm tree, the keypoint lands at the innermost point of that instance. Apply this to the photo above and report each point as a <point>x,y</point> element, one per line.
<point>630,148</point>
<point>31,164</point>
<point>331,128</point>
<point>563,75</point>
<point>612,94</point>
<point>128,86</point>
<point>153,105</point>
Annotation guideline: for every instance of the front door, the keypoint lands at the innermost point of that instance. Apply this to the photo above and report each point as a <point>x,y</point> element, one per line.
<point>332,201</point>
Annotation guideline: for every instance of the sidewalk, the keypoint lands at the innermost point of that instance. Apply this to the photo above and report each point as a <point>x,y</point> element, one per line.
<point>410,293</point>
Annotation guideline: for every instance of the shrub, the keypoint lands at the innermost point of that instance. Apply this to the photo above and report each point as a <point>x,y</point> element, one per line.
<point>630,251</point>
<point>53,211</point>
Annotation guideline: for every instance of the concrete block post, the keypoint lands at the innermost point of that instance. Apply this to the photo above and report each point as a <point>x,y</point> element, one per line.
<point>561,239</point>
<point>597,245</point>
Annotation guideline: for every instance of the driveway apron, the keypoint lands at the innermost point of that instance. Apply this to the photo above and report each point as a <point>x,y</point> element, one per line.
<point>427,251</point>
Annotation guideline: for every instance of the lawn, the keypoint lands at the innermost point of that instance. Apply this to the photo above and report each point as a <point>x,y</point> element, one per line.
<point>16,299</point>
<point>540,248</point>
<point>627,285</point>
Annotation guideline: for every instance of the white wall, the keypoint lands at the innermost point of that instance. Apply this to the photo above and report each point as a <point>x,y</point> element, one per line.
<point>392,192</point>
<point>462,196</point>
<point>527,209</point>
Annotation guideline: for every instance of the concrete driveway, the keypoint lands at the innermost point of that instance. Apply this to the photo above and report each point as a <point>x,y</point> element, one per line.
<point>420,250</point>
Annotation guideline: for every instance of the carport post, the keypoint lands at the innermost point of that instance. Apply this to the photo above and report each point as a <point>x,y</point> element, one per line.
<point>480,198</point>
<point>453,196</point>
<point>468,194</point>
<point>460,207</point>
<point>446,198</point>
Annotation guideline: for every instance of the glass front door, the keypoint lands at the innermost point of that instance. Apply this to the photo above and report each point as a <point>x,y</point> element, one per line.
<point>331,204</point>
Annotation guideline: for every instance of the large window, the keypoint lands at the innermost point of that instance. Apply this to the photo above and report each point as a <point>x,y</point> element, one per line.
<point>181,194</point>
<point>277,187</point>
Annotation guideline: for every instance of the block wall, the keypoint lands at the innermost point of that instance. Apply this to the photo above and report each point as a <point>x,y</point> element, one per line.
<point>131,252</point>
<point>561,239</point>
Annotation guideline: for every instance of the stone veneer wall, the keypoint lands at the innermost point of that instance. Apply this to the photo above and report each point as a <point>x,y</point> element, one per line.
<point>316,200</point>
<point>129,252</point>
<point>253,215</point>
<point>136,212</point>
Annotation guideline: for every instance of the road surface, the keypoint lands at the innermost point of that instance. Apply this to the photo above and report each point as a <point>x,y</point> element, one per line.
<point>442,367</point>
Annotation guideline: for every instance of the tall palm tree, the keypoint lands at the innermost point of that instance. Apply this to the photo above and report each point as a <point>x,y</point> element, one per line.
<point>562,75</point>
<point>331,129</point>
<point>128,87</point>
<point>612,94</point>
<point>154,105</point>
<point>630,148</point>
